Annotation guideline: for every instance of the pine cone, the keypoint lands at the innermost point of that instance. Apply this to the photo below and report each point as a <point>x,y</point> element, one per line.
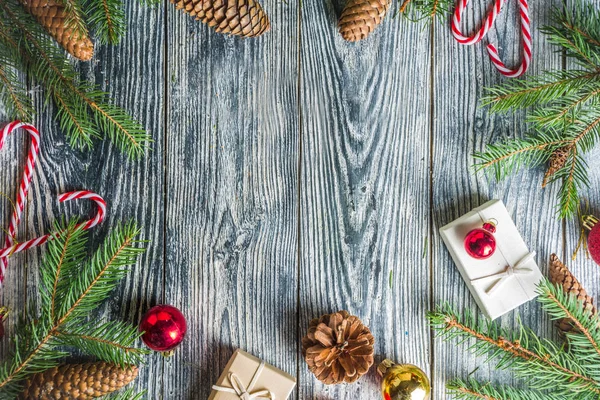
<point>51,14</point>
<point>560,274</point>
<point>78,381</point>
<point>240,17</point>
<point>338,348</point>
<point>558,159</point>
<point>360,17</point>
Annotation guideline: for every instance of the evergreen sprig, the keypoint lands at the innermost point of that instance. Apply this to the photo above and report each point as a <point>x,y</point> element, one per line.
<point>566,112</point>
<point>425,10</point>
<point>83,111</point>
<point>72,286</point>
<point>551,370</point>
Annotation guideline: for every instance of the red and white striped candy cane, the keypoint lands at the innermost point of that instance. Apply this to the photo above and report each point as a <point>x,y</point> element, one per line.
<point>25,182</point>
<point>526,38</point>
<point>84,194</point>
<point>10,246</point>
<point>485,28</point>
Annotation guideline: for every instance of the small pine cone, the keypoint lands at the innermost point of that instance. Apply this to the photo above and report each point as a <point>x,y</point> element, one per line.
<point>560,274</point>
<point>78,381</point>
<point>558,159</point>
<point>51,14</point>
<point>360,17</point>
<point>244,18</point>
<point>338,348</point>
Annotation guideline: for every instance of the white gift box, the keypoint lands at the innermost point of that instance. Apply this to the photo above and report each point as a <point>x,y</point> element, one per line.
<point>509,277</point>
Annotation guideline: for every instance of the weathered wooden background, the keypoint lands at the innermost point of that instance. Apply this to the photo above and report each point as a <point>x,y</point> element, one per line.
<point>295,175</point>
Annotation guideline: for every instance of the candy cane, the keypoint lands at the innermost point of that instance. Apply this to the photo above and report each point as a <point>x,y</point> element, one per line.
<point>485,28</point>
<point>84,194</point>
<point>526,34</point>
<point>25,182</point>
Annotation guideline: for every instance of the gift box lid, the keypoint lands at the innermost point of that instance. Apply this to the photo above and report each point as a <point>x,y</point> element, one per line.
<point>245,366</point>
<point>481,275</point>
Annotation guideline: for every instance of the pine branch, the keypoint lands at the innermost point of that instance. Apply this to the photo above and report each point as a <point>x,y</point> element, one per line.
<point>74,21</point>
<point>67,297</point>
<point>566,111</point>
<point>107,17</point>
<point>13,93</point>
<point>111,341</point>
<point>585,342</point>
<point>83,110</point>
<point>540,362</point>
<point>425,10</point>
<point>473,390</point>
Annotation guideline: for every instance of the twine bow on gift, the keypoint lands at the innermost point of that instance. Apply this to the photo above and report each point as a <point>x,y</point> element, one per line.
<point>507,274</point>
<point>238,388</point>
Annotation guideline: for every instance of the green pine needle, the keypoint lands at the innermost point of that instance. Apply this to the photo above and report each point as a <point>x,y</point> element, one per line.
<point>72,286</point>
<point>566,109</point>
<point>473,390</point>
<point>107,17</point>
<point>83,114</point>
<point>425,10</point>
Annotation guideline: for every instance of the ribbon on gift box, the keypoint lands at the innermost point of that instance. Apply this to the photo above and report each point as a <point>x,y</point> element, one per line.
<point>238,388</point>
<point>504,276</point>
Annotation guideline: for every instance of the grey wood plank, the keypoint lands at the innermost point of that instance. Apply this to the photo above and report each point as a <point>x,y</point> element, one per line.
<point>364,193</point>
<point>461,128</point>
<point>132,73</point>
<point>231,197</point>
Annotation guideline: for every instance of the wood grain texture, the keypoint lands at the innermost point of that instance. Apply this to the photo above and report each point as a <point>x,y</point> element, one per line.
<point>364,193</point>
<point>232,178</point>
<point>461,128</point>
<point>294,175</point>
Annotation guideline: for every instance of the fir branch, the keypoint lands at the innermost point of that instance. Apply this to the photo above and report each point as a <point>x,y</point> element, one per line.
<point>473,390</point>
<point>64,292</point>
<point>47,64</point>
<point>585,341</point>
<point>108,19</point>
<point>540,362</point>
<point>110,341</point>
<point>566,109</point>
<point>74,21</point>
<point>425,10</point>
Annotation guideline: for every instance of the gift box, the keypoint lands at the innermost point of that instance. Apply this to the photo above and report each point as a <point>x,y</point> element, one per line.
<point>508,278</point>
<point>246,376</point>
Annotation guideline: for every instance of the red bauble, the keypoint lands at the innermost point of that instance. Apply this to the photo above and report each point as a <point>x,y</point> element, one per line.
<point>164,328</point>
<point>594,243</point>
<point>480,243</point>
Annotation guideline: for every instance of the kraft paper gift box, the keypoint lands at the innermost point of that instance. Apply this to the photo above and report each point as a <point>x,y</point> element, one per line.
<point>245,373</point>
<point>507,279</point>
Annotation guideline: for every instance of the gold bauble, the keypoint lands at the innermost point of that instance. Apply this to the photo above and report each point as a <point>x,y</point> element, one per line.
<point>403,382</point>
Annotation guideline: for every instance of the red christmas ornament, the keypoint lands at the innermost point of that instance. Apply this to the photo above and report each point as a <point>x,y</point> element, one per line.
<point>164,328</point>
<point>591,223</point>
<point>480,243</point>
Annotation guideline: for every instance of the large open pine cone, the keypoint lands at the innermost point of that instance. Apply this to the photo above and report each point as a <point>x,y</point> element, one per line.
<point>240,17</point>
<point>560,274</point>
<point>78,381</point>
<point>360,17</point>
<point>52,15</point>
<point>338,348</point>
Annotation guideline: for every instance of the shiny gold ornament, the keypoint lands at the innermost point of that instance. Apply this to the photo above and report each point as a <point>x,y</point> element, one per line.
<point>403,382</point>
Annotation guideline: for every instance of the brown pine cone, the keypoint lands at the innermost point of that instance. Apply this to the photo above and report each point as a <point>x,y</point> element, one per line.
<point>560,274</point>
<point>244,18</point>
<point>78,381</point>
<point>557,161</point>
<point>338,348</point>
<point>51,14</point>
<point>360,17</point>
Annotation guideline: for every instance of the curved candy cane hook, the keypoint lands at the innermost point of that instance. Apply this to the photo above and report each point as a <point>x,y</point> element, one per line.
<point>485,28</point>
<point>84,194</point>
<point>25,182</point>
